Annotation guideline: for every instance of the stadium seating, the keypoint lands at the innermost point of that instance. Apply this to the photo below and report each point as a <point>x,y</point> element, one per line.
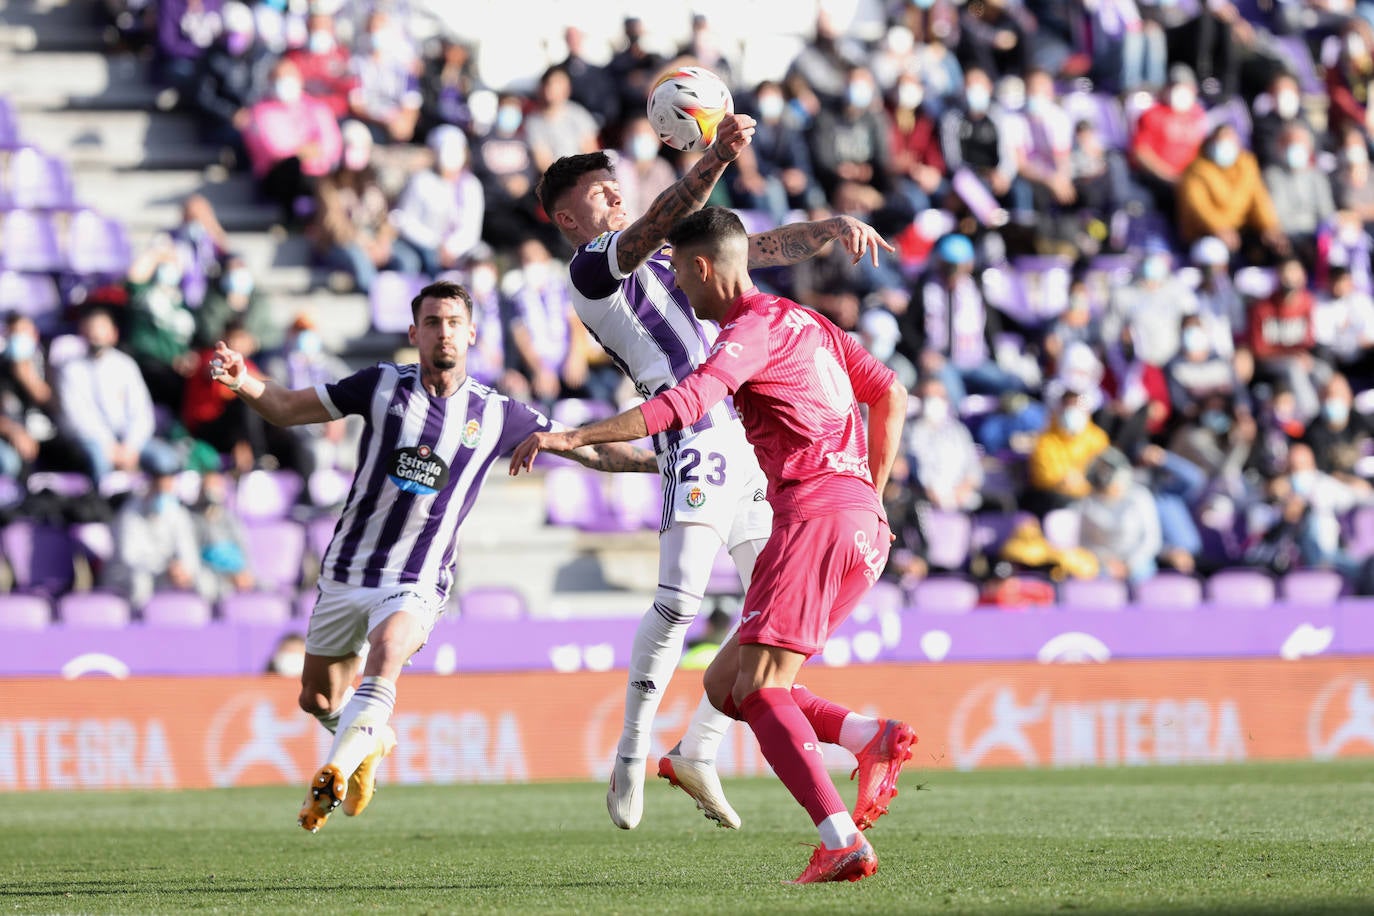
<point>93,610</point>
<point>1094,594</point>
<point>176,609</point>
<point>1244,587</point>
<point>24,612</point>
<point>255,608</point>
<point>948,538</point>
<point>40,556</point>
<point>390,300</point>
<point>265,495</point>
<point>944,594</point>
<point>98,247</point>
<point>1170,590</point>
<point>1311,586</point>
<point>492,602</point>
<point>30,243</point>
<point>276,552</point>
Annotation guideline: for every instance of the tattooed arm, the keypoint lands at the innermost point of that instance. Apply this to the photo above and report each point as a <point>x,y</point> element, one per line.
<point>799,241</point>
<point>614,457</point>
<point>686,195</point>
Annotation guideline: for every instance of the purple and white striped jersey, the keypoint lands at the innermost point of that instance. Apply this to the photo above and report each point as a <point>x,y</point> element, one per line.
<point>421,461</point>
<point>644,323</point>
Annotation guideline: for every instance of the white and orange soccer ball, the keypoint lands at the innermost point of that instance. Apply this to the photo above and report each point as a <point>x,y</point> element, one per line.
<point>687,106</point>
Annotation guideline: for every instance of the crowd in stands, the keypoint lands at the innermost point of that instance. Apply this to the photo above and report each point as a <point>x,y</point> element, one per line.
<point>1132,281</point>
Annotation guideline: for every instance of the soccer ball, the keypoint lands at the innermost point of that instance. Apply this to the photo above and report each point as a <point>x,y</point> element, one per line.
<point>687,106</point>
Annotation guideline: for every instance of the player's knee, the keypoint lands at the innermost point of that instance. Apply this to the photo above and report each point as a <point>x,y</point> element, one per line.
<point>718,685</point>
<point>674,606</point>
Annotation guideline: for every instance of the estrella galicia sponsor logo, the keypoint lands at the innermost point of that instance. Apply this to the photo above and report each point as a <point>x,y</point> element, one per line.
<point>418,470</point>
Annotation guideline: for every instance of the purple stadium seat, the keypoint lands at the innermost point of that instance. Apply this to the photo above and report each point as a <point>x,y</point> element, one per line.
<point>11,491</point>
<point>1256,282</point>
<point>1235,113</point>
<point>885,597</point>
<point>276,550</point>
<point>63,483</point>
<point>1311,586</point>
<point>636,499</point>
<point>390,300</point>
<point>38,181</point>
<point>263,495</point>
<point>318,533</point>
<point>1360,537</point>
<point>991,530</point>
<point>1094,594</point>
<point>65,347</point>
<point>176,609</point>
<point>24,612</point>
<point>1169,590</point>
<point>1105,273</point>
<point>35,295</point>
<point>40,556</point>
<point>1044,281</point>
<point>1247,587</point>
<point>948,536</point>
<point>93,610</point>
<point>944,594</point>
<point>97,246</point>
<point>328,487</point>
<point>305,603</point>
<point>725,579</point>
<point>573,497</point>
<point>9,126</point>
<point>492,602</point>
<point>256,608</point>
<point>30,243</point>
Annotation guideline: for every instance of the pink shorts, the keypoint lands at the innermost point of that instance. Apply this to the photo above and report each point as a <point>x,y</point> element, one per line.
<point>809,577</point>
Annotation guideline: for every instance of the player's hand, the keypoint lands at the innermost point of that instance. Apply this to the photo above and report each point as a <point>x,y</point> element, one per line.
<point>525,452</point>
<point>228,367</point>
<point>733,135</point>
<point>859,238</point>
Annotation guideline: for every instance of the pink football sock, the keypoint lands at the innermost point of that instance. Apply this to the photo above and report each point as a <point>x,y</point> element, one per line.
<point>826,718</point>
<point>790,745</point>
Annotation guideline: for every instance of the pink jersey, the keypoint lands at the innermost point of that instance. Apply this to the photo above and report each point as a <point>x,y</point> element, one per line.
<point>797,381</point>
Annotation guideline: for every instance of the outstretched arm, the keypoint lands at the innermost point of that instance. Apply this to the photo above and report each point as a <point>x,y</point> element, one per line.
<point>885,418</point>
<point>799,241</point>
<point>276,404</point>
<point>685,196</point>
<point>623,427</point>
<point>615,457</point>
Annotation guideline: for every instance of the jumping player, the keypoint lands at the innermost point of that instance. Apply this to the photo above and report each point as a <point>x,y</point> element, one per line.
<point>624,293</point>
<point>431,435</point>
<point>798,381</point>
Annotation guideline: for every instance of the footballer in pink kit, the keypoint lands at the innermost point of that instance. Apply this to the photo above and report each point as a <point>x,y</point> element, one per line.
<point>797,382</point>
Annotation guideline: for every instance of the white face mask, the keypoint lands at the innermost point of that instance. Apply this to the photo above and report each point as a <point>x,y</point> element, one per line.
<point>910,95</point>
<point>320,43</point>
<point>288,664</point>
<point>482,281</point>
<point>1225,153</point>
<point>1286,104</point>
<point>1181,98</point>
<point>978,99</point>
<point>643,147</point>
<point>771,106</point>
<point>1073,420</point>
<point>935,409</point>
<point>1297,155</point>
<point>452,158</point>
<point>287,89</point>
<point>1356,155</point>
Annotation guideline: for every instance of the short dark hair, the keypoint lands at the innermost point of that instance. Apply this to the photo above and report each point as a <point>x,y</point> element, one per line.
<point>563,175</point>
<point>712,225</point>
<point>440,289</point>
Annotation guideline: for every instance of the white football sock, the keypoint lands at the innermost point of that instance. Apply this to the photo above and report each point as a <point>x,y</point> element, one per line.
<point>838,830</point>
<point>856,731</point>
<point>705,732</point>
<point>369,709</point>
<point>330,720</point>
<point>657,650</point>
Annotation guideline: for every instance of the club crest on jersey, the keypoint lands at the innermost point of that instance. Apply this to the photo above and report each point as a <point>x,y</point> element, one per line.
<point>696,497</point>
<point>472,434</point>
<point>418,470</point>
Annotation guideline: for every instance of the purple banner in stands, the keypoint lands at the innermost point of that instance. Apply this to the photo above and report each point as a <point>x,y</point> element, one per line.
<point>1048,634</point>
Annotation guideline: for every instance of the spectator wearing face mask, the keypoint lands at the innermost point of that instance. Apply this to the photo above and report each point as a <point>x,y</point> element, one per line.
<point>201,244</point>
<point>1058,464</point>
<point>222,539</point>
<point>504,163</point>
<point>439,215</point>
<point>917,162</point>
<point>973,138</point>
<point>1152,305</point>
<point>1168,136</point>
<point>1339,435</point>
<point>303,362</point>
<point>292,140</point>
<point>1300,191</point>
<point>945,467</point>
<point>558,126</point>
<point>234,73</point>
<point>548,340</point>
<point>160,325</point>
<point>236,296</point>
<point>155,539</point>
<point>351,230</point>
<point>26,399</point>
<point>1219,304</point>
<point>1354,187</point>
<point>1276,110</point>
<point>1222,194</point>
<point>774,172</point>
<point>1348,81</point>
<point>387,98</point>
<point>1281,336</point>
<point>1317,500</point>
<point>1212,425</point>
<point>850,147</point>
<point>1343,324</point>
<point>446,87</point>
<point>487,357</point>
<point>214,415</point>
<point>324,65</point>
<point>643,174</point>
<point>105,406</point>
<point>1120,521</point>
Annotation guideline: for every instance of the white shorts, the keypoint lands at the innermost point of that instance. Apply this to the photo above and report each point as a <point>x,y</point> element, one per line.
<point>345,614</point>
<point>712,478</point>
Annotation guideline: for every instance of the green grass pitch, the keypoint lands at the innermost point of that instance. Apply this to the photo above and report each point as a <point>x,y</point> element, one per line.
<point>1293,838</point>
